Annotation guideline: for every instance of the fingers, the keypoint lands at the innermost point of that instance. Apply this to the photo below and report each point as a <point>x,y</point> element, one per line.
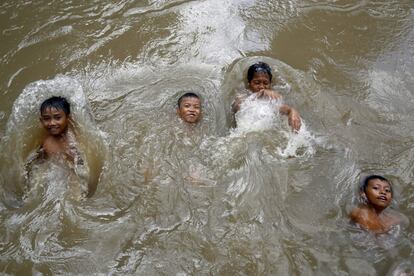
<point>294,121</point>
<point>296,124</point>
<point>261,93</point>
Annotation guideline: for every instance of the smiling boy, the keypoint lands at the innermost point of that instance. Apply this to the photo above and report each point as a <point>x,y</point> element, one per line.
<point>55,119</point>
<point>376,193</point>
<point>189,108</point>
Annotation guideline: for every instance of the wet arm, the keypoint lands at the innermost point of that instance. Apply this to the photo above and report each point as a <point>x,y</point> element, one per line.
<point>40,154</point>
<point>75,156</point>
<point>235,107</point>
<point>293,116</point>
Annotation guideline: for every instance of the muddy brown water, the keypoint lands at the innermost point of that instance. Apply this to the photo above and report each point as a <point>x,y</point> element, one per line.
<point>173,200</point>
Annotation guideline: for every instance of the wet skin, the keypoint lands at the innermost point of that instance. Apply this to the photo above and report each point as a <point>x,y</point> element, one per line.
<point>378,194</point>
<point>190,110</point>
<point>260,84</point>
<point>260,81</point>
<point>372,215</point>
<point>55,121</point>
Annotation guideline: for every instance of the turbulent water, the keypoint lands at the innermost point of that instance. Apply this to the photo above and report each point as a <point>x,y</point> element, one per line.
<point>256,199</point>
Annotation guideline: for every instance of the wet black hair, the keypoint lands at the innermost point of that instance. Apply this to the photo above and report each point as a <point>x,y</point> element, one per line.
<point>187,95</point>
<point>58,103</point>
<point>372,177</point>
<point>259,67</point>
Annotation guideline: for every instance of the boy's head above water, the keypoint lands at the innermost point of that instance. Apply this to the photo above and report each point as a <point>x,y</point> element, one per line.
<point>54,115</point>
<point>377,192</point>
<point>189,108</point>
<point>259,77</point>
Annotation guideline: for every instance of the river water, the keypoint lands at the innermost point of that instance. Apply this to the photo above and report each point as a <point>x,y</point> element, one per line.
<point>213,199</point>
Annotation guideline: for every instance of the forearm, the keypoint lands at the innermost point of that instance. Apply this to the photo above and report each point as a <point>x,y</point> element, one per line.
<point>236,104</point>
<point>285,109</point>
<point>293,116</point>
<point>33,158</point>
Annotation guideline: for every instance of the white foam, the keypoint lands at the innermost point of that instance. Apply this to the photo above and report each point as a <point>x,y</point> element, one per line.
<point>299,144</point>
<point>262,114</point>
<point>256,115</point>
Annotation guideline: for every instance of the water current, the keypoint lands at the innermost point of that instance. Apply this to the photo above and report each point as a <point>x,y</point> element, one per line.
<point>214,199</point>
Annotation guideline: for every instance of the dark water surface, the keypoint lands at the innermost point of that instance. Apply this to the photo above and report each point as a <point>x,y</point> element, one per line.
<point>171,200</point>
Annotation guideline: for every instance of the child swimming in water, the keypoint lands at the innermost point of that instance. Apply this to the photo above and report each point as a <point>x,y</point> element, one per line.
<point>259,78</point>
<point>189,108</point>
<point>373,215</point>
<point>55,119</point>
<point>60,140</point>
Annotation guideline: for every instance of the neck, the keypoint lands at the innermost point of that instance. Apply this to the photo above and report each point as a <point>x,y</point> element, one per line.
<point>61,136</point>
<point>377,209</point>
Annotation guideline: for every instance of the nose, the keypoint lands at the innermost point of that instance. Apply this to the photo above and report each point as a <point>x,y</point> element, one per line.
<point>52,122</point>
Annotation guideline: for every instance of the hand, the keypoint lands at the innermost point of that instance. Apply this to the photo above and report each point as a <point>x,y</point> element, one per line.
<point>294,120</point>
<point>267,93</point>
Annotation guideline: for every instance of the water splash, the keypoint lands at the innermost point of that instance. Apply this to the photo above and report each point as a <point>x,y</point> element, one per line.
<point>24,134</point>
<point>259,115</point>
<point>299,144</point>
<point>256,115</point>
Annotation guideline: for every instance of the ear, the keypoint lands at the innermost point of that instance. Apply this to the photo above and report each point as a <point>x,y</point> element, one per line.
<point>363,197</point>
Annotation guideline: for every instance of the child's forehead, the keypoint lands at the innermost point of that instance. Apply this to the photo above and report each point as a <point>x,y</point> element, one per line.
<point>52,109</point>
<point>191,99</point>
<point>377,181</point>
<point>260,74</point>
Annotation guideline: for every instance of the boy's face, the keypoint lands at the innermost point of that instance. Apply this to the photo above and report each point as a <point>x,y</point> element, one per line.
<point>378,193</point>
<point>55,121</point>
<point>190,110</point>
<point>259,82</point>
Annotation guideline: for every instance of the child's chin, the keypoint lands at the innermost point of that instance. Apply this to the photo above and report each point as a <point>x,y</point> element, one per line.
<point>55,133</point>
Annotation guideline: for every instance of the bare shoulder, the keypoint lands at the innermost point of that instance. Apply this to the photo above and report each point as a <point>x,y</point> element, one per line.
<point>356,213</point>
<point>361,214</point>
<point>48,143</point>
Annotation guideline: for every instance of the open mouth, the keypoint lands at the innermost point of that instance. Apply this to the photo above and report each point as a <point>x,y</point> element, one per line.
<point>382,198</point>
